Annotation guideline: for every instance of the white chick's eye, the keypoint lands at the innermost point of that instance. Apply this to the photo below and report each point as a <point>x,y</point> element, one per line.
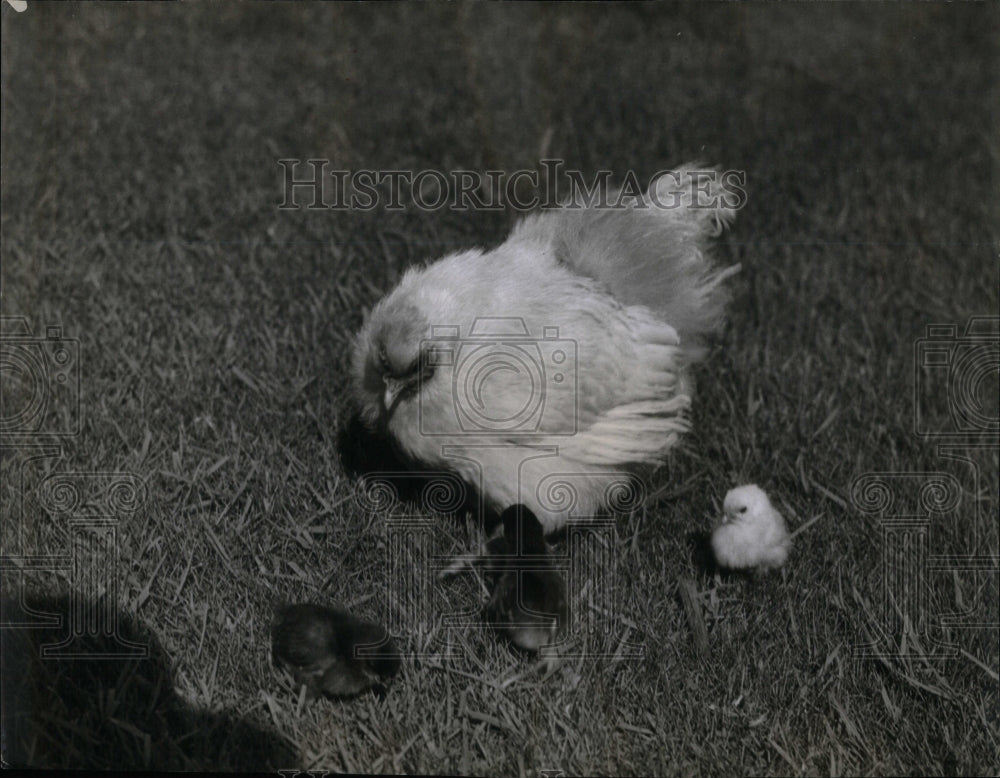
<point>742,509</point>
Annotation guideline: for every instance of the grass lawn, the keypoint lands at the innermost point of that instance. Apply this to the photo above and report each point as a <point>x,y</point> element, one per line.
<point>140,193</point>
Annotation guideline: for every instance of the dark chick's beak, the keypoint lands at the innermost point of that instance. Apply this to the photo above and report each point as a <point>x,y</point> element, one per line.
<point>529,608</point>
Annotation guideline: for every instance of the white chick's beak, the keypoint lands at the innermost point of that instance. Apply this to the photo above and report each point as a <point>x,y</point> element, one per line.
<point>393,389</point>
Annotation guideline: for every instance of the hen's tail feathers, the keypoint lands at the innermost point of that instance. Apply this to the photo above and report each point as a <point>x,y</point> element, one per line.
<point>654,252</point>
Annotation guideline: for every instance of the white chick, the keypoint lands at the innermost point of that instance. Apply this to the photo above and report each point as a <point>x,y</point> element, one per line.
<point>752,533</point>
<point>565,350</point>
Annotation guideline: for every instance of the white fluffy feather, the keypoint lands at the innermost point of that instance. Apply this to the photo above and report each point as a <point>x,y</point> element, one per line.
<point>752,534</point>
<point>633,290</point>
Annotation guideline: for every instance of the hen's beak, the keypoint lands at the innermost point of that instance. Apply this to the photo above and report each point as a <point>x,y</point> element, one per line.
<point>393,389</point>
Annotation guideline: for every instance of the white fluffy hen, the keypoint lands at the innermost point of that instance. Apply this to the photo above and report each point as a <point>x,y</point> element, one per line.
<point>560,357</point>
<point>752,533</point>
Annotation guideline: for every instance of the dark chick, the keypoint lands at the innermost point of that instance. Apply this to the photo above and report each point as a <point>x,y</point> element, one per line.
<point>528,597</point>
<point>331,651</point>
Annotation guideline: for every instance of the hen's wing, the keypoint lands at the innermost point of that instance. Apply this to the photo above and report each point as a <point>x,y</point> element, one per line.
<point>654,253</point>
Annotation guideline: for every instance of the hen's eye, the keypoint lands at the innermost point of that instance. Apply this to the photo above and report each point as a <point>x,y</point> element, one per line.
<point>383,358</point>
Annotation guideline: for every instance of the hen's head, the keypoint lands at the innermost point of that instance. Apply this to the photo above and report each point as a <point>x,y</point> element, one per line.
<point>388,368</point>
<point>744,502</point>
<point>390,353</point>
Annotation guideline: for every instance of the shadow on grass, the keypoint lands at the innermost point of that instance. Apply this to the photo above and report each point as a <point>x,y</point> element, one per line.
<point>700,544</point>
<point>87,708</point>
